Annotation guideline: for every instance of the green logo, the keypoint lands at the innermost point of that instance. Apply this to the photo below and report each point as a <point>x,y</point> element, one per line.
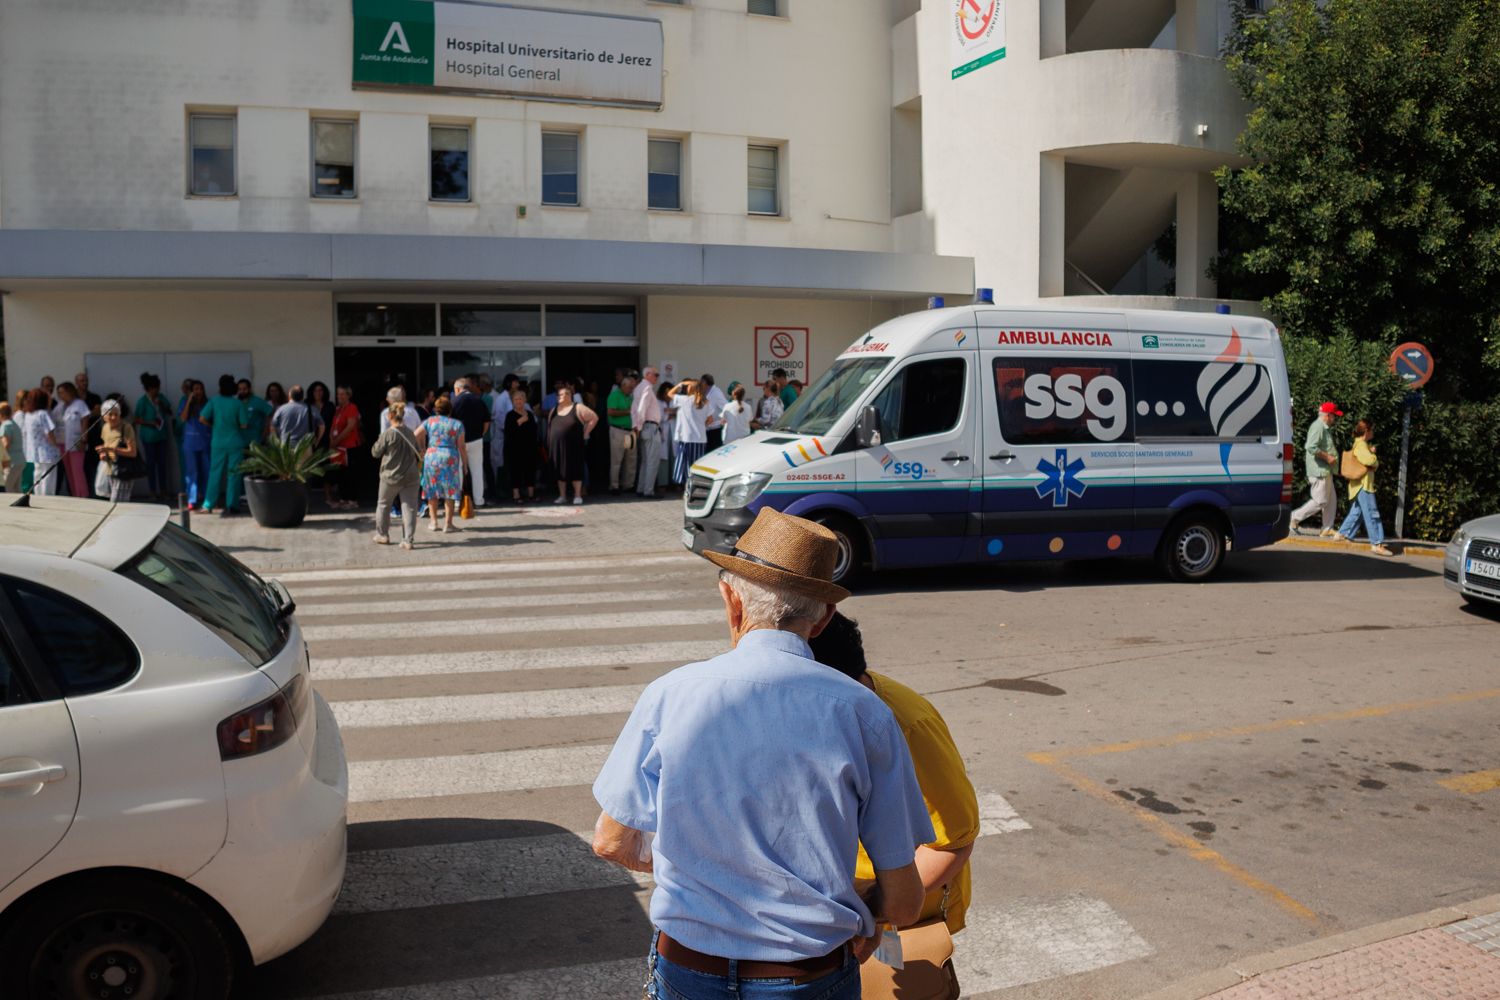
<point>1150,341</point>
<point>394,42</point>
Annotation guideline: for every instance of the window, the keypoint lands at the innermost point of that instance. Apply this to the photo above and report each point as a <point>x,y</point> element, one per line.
<point>12,688</point>
<point>449,173</point>
<point>211,140</point>
<point>821,405</point>
<point>379,319</point>
<point>209,584</point>
<point>763,180</point>
<point>333,159</point>
<point>590,321</point>
<point>492,321</point>
<point>766,7</point>
<point>559,168</point>
<point>664,174</point>
<point>925,397</point>
<point>1181,399</point>
<point>84,651</point>
<point>1063,400</point>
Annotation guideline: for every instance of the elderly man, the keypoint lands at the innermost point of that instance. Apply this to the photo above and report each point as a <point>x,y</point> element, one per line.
<point>760,773</point>
<point>621,435</point>
<point>295,420</point>
<point>469,410</point>
<point>645,420</point>
<point>410,417</point>
<point>1322,454</point>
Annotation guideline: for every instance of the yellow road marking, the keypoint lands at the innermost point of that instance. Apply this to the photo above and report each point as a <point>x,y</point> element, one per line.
<point>1328,543</point>
<point>1196,849</point>
<point>1472,784</point>
<point>1198,736</point>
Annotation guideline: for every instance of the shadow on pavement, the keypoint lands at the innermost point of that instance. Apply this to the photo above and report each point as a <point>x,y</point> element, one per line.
<point>1275,565</point>
<point>425,903</point>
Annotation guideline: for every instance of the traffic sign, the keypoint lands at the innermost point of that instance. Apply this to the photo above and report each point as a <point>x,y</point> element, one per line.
<point>1412,364</point>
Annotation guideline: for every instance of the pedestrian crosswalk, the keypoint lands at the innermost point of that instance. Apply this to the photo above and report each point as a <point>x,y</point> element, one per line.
<point>448,899</point>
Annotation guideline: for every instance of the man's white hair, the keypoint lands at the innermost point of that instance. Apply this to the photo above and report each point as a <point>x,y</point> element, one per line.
<point>395,394</point>
<point>765,605</point>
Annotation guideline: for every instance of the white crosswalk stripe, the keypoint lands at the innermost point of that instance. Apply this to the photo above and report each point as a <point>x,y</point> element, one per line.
<point>997,815</point>
<point>444,874</point>
<point>1032,940</point>
<point>512,626</point>
<point>311,592</point>
<point>552,704</point>
<point>592,981</point>
<point>504,660</point>
<point>476,571</point>
<point>420,606</point>
<point>472,774</point>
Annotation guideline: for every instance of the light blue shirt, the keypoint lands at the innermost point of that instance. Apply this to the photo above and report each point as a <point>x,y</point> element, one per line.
<point>760,771</point>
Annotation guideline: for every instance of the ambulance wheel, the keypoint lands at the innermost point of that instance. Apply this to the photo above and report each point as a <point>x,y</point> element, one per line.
<point>851,546</point>
<point>1192,549</point>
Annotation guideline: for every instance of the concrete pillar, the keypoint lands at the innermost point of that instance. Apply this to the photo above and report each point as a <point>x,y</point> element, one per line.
<point>1054,27</point>
<point>1197,235</point>
<point>1198,27</point>
<point>1052,208</point>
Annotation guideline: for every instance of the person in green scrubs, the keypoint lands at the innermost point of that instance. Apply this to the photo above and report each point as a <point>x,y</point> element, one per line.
<point>226,414</point>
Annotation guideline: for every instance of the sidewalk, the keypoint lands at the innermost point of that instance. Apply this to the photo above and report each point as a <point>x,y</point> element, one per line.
<point>343,539</point>
<point>1448,952</point>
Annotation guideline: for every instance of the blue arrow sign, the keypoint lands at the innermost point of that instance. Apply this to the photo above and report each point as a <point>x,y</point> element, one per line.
<point>1412,363</point>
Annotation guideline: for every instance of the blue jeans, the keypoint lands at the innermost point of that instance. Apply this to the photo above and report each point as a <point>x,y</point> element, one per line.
<point>673,982</point>
<point>1363,508</point>
<point>195,471</point>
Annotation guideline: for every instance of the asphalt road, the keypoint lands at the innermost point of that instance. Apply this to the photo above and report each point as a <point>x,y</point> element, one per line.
<point>1174,776</point>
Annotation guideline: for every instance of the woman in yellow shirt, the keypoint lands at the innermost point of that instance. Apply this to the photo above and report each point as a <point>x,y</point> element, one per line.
<point>950,797</point>
<point>1362,494</point>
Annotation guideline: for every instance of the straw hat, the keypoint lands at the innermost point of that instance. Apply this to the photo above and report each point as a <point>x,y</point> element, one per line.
<point>786,553</point>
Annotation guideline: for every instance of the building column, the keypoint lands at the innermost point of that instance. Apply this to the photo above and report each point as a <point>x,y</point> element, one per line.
<point>1052,208</point>
<point>1054,27</point>
<point>1198,27</point>
<point>1197,235</point>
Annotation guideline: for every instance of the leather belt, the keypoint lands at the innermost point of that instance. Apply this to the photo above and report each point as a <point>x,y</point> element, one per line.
<point>803,970</point>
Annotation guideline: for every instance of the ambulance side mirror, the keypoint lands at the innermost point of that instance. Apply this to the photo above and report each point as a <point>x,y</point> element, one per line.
<point>868,432</point>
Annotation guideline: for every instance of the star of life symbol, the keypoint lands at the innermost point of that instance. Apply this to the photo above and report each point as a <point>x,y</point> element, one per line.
<point>1062,478</point>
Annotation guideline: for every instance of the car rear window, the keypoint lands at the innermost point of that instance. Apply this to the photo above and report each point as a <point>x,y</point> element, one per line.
<point>83,650</point>
<point>215,588</point>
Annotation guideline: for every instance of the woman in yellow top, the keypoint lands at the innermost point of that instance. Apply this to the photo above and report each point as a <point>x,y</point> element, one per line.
<point>1362,494</point>
<point>951,802</point>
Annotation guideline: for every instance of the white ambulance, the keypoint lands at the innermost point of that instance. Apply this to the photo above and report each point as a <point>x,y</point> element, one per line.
<point>989,433</point>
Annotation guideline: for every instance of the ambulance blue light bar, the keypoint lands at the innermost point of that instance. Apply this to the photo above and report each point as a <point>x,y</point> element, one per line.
<point>984,295</point>
<point>935,302</point>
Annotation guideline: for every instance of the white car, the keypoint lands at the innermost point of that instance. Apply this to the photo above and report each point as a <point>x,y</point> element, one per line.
<point>1471,564</point>
<point>173,793</point>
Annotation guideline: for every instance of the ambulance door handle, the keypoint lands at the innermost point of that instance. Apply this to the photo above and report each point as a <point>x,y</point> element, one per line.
<point>1002,456</point>
<point>954,456</point>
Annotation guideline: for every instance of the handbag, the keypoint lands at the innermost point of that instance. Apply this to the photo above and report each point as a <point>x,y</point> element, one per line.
<point>1351,468</point>
<point>927,971</point>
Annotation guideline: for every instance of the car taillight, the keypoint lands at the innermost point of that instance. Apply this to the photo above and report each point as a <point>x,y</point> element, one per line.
<point>1286,473</point>
<point>265,726</point>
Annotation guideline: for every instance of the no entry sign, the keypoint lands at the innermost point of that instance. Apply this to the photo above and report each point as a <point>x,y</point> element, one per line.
<point>780,347</point>
<point>1412,364</point>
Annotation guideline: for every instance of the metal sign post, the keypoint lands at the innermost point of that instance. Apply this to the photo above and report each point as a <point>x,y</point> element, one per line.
<point>1412,364</point>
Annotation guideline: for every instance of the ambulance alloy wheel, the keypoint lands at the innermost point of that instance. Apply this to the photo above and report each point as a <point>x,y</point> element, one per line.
<point>851,546</point>
<point>116,936</point>
<point>1192,549</point>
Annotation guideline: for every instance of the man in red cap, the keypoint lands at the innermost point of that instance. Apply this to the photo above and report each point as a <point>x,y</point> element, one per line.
<point>1322,458</point>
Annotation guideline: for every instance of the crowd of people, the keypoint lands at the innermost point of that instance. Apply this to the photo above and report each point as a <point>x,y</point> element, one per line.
<point>475,441</point>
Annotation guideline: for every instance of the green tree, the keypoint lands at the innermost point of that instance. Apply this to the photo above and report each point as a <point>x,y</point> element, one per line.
<point>1370,209</point>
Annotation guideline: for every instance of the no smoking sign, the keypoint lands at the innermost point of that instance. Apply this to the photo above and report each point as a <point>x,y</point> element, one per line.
<point>780,347</point>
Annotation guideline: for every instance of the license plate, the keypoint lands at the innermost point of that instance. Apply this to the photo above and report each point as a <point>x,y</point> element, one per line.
<point>1490,571</point>
<point>687,537</point>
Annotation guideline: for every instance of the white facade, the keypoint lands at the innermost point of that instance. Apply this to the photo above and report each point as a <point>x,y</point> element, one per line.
<point>1044,173</point>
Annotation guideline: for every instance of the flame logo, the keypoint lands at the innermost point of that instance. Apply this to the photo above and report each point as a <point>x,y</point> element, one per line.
<point>1232,389</point>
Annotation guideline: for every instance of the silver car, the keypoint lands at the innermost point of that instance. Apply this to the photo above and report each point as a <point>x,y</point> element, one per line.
<point>1471,564</point>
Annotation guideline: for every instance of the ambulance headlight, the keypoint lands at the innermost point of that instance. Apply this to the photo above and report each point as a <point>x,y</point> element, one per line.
<point>737,492</point>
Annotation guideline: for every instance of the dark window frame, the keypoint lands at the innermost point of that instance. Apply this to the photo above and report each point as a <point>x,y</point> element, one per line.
<point>45,684</point>
<point>319,190</point>
<point>899,376</point>
<point>577,172</point>
<point>468,168</point>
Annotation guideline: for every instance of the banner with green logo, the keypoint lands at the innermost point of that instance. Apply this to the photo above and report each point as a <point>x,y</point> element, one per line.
<point>458,45</point>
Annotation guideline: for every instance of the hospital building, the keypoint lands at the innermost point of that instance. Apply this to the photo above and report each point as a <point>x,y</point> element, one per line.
<point>372,191</point>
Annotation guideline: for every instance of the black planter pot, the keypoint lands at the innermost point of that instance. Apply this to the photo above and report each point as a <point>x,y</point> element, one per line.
<point>277,503</point>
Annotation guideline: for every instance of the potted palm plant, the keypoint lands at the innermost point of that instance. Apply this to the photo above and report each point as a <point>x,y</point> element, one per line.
<point>276,475</point>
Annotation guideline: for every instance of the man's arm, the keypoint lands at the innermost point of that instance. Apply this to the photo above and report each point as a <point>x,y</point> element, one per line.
<point>898,895</point>
<point>624,845</point>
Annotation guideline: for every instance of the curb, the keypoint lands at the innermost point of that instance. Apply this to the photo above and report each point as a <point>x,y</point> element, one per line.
<point>1223,978</point>
<point>1430,550</point>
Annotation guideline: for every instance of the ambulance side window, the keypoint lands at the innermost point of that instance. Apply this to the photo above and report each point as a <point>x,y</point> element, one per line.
<point>1203,399</point>
<point>1063,400</point>
<point>925,397</point>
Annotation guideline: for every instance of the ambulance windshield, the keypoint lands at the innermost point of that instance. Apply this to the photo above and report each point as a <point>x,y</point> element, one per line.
<point>821,404</point>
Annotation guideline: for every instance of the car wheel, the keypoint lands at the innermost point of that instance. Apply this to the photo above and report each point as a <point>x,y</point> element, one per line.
<point>115,937</point>
<point>851,541</point>
<point>1192,548</point>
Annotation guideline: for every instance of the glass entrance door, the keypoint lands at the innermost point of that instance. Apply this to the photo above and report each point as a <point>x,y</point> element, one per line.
<point>525,362</point>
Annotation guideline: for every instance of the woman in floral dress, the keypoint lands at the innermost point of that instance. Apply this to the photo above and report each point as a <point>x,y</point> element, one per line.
<point>443,464</point>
